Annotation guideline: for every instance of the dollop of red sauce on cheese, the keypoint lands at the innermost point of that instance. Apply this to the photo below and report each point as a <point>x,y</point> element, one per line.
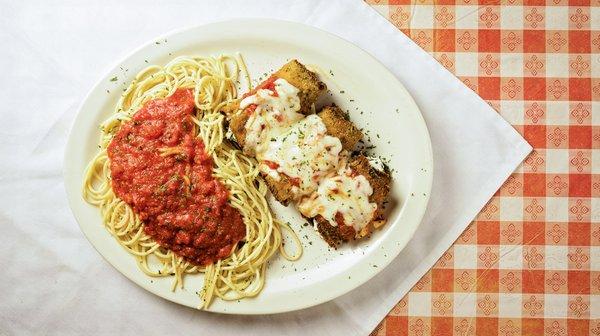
<point>183,207</point>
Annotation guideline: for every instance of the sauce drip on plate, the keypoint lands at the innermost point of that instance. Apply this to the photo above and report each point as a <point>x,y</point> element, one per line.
<point>160,168</point>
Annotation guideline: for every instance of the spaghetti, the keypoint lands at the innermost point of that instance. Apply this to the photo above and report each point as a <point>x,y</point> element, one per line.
<point>213,81</point>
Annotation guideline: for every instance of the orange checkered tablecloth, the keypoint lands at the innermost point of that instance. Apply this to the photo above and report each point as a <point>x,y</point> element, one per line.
<point>530,262</point>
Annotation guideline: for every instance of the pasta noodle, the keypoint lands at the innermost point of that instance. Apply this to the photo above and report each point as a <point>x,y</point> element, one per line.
<point>213,80</point>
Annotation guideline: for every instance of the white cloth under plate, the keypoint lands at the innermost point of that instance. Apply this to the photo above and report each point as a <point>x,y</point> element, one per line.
<point>54,282</point>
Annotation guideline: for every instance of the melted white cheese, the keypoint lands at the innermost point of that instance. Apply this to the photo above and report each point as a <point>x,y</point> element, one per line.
<point>304,152</point>
<point>284,141</point>
<point>376,163</point>
<point>341,193</point>
<point>273,114</point>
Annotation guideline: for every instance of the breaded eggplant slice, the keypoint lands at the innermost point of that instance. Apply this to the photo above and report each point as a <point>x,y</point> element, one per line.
<point>334,235</point>
<point>338,126</point>
<point>380,181</point>
<point>305,80</point>
<point>294,73</point>
<point>281,189</point>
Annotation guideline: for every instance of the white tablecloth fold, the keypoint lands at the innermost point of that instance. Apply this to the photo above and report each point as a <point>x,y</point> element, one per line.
<point>54,281</point>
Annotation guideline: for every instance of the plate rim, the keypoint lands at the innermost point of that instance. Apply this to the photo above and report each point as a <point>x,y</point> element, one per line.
<point>425,180</point>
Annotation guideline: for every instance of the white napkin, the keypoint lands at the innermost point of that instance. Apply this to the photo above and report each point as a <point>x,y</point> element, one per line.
<point>54,281</point>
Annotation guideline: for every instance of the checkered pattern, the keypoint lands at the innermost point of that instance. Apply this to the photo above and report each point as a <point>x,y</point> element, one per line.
<point>530,262</point>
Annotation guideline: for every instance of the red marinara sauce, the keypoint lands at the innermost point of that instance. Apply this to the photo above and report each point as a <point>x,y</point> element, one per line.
<point>267,84</point>
<point>183,207</point>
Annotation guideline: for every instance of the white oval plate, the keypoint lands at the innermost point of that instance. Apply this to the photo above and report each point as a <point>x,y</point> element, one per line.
<point>376,101</point>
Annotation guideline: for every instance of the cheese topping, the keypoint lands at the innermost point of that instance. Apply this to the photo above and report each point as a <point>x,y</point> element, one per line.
<point>304,152</point>
<point>344,194</point>
<point>376,163</point>
<point>285,142</point>
<point>274,112</point>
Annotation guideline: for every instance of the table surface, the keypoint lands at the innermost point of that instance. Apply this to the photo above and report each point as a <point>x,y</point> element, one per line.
<point>529,264</point>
